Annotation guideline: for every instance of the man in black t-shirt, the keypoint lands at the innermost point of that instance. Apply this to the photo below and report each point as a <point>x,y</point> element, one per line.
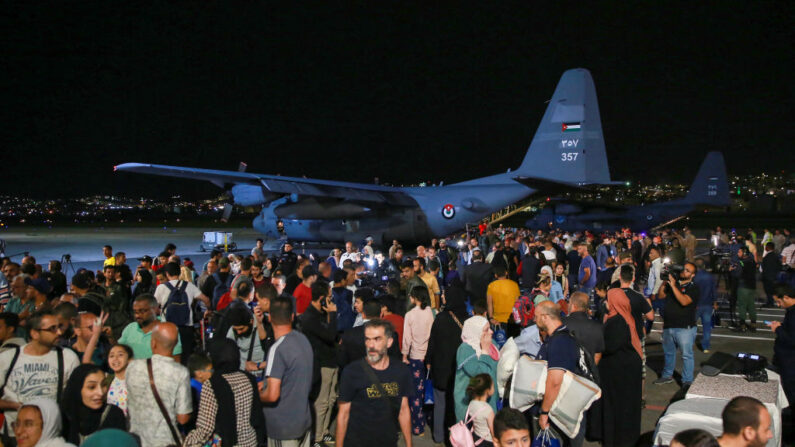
<point>679,323</point>
<point>366,417</point>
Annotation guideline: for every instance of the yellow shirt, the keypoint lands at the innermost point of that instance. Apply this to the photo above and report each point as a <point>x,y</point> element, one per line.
<point>109,261</point>
<point>433,288</point>
<point>503,293</point>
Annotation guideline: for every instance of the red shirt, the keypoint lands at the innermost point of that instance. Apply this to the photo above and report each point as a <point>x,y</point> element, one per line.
<point>303,296</point>
<point>397,322</point>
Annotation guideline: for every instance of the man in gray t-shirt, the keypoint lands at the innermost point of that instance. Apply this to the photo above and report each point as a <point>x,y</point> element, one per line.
<point>289,379</point>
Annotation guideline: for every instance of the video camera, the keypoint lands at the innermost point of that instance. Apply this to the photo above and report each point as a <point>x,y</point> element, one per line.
<point>670,269</point>
<point>720,259</point>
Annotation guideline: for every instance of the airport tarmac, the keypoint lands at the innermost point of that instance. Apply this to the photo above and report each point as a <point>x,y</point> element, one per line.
<point>84,243</point>
<point>85,246</point>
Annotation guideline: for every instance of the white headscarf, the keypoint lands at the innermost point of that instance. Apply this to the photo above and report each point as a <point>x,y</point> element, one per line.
<point>51,423</point>
<point>547,269</point>
<point>472,332</point>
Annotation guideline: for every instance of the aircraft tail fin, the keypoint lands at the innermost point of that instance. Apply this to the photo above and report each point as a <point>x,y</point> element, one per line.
<point>711,185</point>
<point>568,146</point>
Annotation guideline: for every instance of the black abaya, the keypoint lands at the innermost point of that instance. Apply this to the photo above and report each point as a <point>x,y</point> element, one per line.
<point>620,373</point>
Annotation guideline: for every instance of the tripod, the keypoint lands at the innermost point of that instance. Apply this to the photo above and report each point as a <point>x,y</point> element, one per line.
<point>66,264</point>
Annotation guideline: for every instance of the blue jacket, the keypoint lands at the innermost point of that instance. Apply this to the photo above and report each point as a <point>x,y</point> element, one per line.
<point>602,253</point>
<point>343,298</point>
<point>706,288</point>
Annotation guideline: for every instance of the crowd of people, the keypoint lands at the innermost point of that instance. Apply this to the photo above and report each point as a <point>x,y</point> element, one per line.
<point>364,346</point>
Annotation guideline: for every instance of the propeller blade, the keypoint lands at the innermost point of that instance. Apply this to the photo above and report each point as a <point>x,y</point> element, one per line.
<point>227,212</point>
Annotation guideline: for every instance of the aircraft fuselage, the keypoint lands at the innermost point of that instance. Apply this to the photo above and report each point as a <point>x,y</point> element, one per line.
<point>436,211</point>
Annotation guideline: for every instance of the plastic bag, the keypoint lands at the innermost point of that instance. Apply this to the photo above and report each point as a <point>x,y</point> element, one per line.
<point>428,388</point>
<point>499,337</point>
<point>545,439</point>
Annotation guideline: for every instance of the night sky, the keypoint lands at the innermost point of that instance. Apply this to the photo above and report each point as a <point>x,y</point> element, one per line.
<point>404,93</point>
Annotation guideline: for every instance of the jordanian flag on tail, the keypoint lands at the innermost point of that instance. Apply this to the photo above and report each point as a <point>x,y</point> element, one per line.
<point>570,127</point>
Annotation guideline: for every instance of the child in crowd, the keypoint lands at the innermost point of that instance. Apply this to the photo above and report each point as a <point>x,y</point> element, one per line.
<point>200,368</point>
<point>118,359</point>
<point>480,389</point>
<point>479,308</point>
<point>511,429</point>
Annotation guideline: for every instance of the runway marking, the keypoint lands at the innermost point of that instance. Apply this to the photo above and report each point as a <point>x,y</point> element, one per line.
<point>731,336</point>
<point>721,327</point>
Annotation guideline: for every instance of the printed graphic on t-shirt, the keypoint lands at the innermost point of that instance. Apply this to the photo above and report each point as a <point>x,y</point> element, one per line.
<point>392,389</point>
<point>34,379</point>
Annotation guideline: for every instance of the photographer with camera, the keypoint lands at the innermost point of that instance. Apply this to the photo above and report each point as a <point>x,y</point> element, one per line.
<point>679,322</point>
<point>744,271</point>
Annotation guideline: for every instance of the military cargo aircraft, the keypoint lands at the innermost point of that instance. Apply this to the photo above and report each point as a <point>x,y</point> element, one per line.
<point>710,189</point>
<point>568,150</point>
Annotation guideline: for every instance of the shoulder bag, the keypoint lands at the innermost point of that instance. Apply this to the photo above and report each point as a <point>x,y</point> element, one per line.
<point>159,401</point>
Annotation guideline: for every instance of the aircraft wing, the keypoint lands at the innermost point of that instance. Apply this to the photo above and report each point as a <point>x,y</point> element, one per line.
<point>547,186</point>
<point>280,185</point>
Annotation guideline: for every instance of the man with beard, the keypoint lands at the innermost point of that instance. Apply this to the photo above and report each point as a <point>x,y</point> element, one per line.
<point>242,322</point>
<point>374,394</point>
<point>562,353</point>
<point>37,369</point>
<point>138,334</point>
<point>288,378</point>
<point>352,346</point>
<point>746,423</point>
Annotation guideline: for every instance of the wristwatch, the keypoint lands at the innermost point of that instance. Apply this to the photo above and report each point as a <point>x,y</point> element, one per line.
<point>544,412</point>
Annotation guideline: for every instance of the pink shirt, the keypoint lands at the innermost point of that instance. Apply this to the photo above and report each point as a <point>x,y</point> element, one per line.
<point>416,332</point>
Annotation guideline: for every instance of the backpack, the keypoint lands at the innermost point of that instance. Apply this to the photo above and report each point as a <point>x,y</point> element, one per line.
<point>221,287</point>
<point>177,310</point>
<point>462,434</point>
<point>586,364</point>
<point>224,301</point>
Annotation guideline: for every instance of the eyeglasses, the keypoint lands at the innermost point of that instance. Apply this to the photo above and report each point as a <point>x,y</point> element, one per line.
<point>16,425</point>
<point>51,329</point>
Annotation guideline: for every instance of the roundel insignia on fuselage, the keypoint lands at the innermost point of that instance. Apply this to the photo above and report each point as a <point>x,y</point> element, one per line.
<point>448,211</point>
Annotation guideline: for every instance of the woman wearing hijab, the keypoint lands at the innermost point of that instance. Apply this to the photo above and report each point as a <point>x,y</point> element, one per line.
<point>619,371</point>
<point>110,437</point>
<point>440,357</point>
<point>84,408</point>
<point>38,424</point>
<point>476,355</point>
<point>241,422</point>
